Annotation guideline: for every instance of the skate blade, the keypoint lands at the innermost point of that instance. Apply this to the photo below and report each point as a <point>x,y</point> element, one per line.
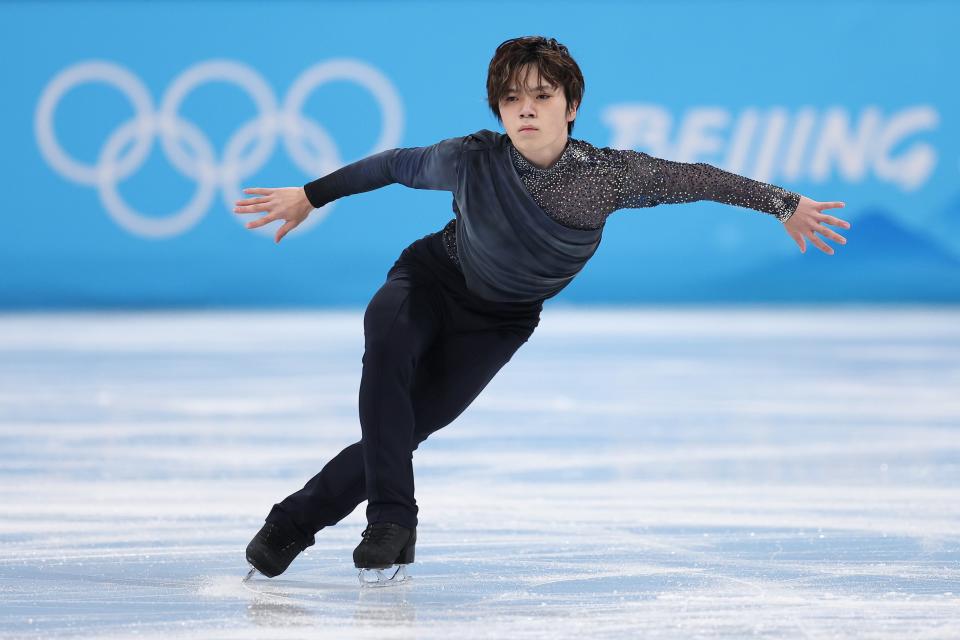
<point>249,575</point>
<point>377,578</point>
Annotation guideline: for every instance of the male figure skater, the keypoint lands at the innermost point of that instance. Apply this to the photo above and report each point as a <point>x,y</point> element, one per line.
<point>530,206</point>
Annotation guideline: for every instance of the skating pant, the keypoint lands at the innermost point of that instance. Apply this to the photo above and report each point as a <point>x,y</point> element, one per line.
<point>430,348</point>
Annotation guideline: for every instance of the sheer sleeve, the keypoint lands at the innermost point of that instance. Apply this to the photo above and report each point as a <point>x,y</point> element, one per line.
<point>432,167</point>
<point>647,181</point>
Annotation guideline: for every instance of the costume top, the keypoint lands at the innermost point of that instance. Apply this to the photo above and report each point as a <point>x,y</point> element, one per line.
<point>522,233</point>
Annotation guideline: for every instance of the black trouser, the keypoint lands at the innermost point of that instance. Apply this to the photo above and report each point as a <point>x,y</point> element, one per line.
<point>431,346</point>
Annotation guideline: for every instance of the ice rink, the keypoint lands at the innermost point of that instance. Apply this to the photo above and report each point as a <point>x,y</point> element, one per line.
<point>647,473</point>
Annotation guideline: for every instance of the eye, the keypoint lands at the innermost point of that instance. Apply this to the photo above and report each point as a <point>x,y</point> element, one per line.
<point>509,98</point>
<point>544,95</point>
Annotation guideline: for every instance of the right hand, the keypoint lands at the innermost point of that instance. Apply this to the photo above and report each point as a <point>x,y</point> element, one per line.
<point>289,204</point>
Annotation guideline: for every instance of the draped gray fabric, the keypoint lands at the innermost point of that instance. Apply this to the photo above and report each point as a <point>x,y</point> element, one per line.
<point>510,250</point>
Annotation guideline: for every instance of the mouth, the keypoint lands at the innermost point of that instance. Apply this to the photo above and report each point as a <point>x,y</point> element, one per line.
<point>528,129</point>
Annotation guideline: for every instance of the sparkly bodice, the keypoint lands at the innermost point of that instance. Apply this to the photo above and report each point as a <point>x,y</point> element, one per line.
<point>587,183</point>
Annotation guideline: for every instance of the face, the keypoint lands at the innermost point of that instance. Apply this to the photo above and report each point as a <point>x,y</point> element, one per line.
<point>543,109</point>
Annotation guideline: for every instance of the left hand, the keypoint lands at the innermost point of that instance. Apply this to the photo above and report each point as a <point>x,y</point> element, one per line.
<point>808,220</point>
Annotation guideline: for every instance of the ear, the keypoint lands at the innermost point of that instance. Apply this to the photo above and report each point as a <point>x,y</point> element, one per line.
<point>572,111</point>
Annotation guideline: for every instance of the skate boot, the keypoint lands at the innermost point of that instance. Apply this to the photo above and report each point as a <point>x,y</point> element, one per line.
<point>273,549</point>
<point>384,544</point>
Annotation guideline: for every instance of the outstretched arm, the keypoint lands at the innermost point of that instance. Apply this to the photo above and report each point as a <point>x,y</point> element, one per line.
<point>649,181</point>
<point>432,167</point>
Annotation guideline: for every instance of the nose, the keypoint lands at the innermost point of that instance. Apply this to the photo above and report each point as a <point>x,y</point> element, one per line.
<point>526,106</point>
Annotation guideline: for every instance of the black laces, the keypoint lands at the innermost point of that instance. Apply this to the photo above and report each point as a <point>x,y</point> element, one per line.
<point>378,533</point>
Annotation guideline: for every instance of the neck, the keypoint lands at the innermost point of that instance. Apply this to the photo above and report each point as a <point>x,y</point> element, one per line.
<point>546,157</point>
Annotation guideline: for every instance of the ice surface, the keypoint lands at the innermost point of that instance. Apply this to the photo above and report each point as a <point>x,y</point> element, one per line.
<point>654,473</point>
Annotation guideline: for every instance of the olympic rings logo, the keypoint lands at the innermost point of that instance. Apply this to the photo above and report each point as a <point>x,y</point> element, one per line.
<point>200,162</point>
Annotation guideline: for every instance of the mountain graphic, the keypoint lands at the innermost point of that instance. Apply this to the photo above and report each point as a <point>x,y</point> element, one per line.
<point>883,261</point>
<point>947,224</point>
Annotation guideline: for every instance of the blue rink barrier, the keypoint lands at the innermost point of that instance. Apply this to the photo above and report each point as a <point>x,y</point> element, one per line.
<point>127,142</point>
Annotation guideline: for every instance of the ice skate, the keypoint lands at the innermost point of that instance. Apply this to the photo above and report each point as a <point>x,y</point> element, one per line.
<point>272,550</point>
<point>384,544</point>
<point>379,578</point>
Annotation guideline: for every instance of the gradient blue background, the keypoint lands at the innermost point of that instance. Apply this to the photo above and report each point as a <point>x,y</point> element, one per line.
<point>60,249</point>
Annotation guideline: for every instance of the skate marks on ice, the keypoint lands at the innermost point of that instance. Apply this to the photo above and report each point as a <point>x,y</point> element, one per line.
<point>700,580</point>
<point>728,581</point>
<point>646,474</point>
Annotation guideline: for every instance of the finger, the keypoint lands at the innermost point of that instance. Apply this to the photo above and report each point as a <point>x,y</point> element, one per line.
<point>830,233</point>
<point>830,205</point>
<point>259,222</point>
<point>282,231</point>
<point>252,201</point>
<point>253,208</point>
<point>798,238</point>
<point>837,222</point>
<point>820,243</point>
<point>836,237</point>
<point>258,190</point>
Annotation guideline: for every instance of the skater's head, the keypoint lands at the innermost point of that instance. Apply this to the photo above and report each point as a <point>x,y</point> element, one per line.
<point>534,81</point>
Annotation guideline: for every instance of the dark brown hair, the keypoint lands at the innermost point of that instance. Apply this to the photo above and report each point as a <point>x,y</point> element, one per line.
<point>552,61</point>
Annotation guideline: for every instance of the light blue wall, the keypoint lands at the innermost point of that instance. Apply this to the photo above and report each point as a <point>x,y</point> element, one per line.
<point>839,101</point>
